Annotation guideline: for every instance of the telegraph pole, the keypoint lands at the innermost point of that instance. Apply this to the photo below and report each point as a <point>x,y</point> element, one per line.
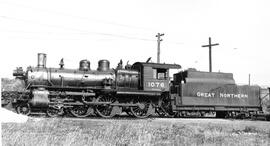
<point>158,46</point>
<point>249,79</point>
<point>210,53</point>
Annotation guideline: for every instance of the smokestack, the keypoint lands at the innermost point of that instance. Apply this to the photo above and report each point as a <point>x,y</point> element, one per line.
<point>42,60</point>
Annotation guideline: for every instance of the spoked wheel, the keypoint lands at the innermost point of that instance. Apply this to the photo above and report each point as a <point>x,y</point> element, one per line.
<point>165,108</point>
<point>23,108</point>
<point>81,111</point>
<point>105,110</point>
<point>160,112</point>
<point>54,112</point>
<point>140,111</point>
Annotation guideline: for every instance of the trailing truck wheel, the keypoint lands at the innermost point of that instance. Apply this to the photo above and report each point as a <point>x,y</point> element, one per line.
<point>165,108</point>
<point>23,108</point>
<point>162,113</point>
<point>105,110</point>
<point>141,111</point>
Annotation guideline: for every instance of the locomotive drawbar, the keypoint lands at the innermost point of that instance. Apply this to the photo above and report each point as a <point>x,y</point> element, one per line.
<point>140,90</point>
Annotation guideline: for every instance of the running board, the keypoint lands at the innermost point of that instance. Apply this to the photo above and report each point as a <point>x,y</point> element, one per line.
<point>138,93</point>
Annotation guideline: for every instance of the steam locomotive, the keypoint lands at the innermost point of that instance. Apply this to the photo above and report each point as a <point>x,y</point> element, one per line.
<point>140,90</point>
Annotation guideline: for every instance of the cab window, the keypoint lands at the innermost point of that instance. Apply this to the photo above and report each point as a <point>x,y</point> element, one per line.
<point>160,74</point>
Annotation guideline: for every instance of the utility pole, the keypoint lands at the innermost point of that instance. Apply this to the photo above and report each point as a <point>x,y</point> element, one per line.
<point>249,79</point>
<point>158,46</point>
<point>210,53</point>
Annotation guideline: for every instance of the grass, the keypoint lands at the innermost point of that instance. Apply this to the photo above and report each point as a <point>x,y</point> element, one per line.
<point>65,131</point>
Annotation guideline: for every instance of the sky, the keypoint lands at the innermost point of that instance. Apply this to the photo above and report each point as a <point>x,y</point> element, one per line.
<point>126,29</point>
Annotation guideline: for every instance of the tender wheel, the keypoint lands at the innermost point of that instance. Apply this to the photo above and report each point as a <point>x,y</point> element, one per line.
<point>165,107</point>
<point>140,111</point>
<point>54,112</point>
<point>81,111</point>
<point>23,108</point>
<point>105,110</point>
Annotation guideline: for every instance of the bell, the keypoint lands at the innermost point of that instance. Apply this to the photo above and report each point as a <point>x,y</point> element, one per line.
<point>61,63</point>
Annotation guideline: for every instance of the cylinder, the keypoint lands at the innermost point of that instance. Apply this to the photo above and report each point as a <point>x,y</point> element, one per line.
<point>103,65</point>
<point>41,60</point>
<point>40,98</point>
<point>84,65</point>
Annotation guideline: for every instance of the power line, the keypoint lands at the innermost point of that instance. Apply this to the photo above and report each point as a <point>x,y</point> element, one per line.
<point>74,29</point>
<point>79,31</point>
<point>90,19</point>
<point>39,38</point>
<point>77,17</point>
<point>69,33</point>
<point>39,32</point>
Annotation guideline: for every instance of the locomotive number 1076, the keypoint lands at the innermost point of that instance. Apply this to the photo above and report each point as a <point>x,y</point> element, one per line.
<point>155,84</point>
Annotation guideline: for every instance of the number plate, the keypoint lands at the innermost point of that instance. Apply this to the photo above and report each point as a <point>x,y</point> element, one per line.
<point>156,85</point>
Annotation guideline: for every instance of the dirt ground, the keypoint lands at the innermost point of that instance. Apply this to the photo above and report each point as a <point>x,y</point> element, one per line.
<point>151,131</point>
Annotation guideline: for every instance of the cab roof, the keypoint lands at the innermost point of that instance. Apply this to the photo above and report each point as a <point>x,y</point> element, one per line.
<point>158,65</point>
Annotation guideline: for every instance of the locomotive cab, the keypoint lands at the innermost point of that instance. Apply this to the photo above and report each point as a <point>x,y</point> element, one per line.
<point>154,76</point>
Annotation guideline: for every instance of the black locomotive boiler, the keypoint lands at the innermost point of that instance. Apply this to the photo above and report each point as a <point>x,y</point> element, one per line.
<point>140,90</point>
